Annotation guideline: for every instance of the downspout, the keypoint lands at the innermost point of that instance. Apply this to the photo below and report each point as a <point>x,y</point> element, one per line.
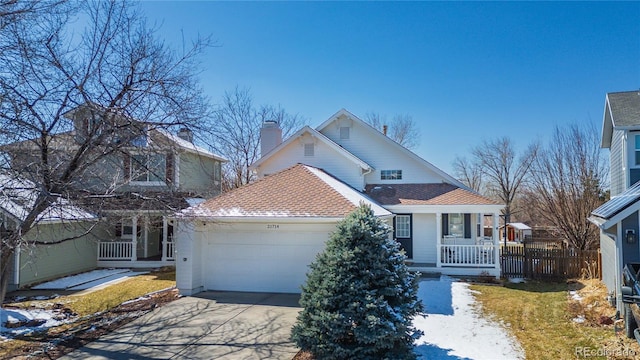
<point>365,173</point>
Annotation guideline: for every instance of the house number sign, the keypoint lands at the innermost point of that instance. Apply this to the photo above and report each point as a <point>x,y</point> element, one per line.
<point>273,226</point>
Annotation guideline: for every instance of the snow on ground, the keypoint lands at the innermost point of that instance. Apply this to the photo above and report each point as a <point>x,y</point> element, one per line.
<point>14,322</point>
<point>454,328</point>
<point>85,280</point>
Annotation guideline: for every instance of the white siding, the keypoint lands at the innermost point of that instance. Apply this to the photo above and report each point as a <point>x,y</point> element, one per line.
<point>324,158</point>
<point>188,257</point>
<point>609,271</point>
<point>617,165</point>
<point>364,143</point>
<point>424,238</point>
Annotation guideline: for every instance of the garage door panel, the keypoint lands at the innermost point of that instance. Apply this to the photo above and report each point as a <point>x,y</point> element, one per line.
<point>255,261</point>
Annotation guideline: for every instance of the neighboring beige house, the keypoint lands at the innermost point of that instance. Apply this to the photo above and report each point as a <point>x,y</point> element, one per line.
<point>134,188</point>
<point>262,237</point>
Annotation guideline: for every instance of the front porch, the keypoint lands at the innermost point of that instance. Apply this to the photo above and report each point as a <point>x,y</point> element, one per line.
<point>138,242</point>
<point>453,243</point>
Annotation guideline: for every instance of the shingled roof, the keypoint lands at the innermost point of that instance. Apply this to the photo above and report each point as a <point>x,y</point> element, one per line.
<point>299,191</point>
<point>625,108</point>
<point>425,194</point>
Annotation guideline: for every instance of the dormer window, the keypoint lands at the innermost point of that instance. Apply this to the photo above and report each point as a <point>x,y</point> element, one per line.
<point>309,149</point>
<point>391,175</point>
<point>344,132</point>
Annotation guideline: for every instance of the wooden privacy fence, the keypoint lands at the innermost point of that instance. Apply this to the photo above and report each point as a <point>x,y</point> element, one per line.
<point>538,262</point>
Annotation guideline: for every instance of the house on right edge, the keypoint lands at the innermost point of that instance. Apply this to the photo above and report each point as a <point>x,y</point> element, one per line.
<point>619,218</point>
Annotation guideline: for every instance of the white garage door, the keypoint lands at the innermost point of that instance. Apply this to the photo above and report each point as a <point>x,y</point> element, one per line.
<point>260,261</point>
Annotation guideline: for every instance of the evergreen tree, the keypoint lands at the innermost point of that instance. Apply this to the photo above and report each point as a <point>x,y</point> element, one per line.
<point>360,298</point>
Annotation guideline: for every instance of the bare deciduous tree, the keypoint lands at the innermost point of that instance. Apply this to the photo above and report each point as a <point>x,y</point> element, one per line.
<point>504,172</point>
<point>568,183</point>
<point>401,128</point>
<point>236,134</point>
<point>116,70</point>
<point>469,173</point>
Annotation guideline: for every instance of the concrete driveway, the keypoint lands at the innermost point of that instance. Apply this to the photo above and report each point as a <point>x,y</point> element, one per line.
<point>210,325</point>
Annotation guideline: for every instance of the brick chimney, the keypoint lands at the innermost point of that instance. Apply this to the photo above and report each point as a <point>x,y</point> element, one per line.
<point>384,129</point>
<point>185,134</point>
<point>270,136</point>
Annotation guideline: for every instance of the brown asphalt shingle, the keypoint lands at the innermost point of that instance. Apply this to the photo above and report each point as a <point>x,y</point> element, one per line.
<point>424,194</point>
<point>294,192</point>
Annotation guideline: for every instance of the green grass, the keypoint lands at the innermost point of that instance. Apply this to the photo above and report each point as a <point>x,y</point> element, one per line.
<point>538,315</point>
<point>89,303</point>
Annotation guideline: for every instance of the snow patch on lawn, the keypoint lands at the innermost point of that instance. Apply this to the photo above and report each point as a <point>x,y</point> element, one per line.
<point>15,322</point>
<point>455,329</point>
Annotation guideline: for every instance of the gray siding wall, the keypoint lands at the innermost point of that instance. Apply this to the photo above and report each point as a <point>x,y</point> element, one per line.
<point>617,166</point>
<point>44,262</point>
<point>630,252</point>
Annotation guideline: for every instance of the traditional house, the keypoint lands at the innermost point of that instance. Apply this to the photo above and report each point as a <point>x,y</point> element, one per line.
<point>262,237</point>
<point>132,187</point>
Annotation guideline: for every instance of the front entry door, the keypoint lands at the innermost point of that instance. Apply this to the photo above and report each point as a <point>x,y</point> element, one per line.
<point>403,233</point>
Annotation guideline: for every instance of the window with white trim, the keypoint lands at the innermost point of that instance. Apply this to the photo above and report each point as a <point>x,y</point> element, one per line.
<point>391,175</point>
<point>309,149</point>
<point>403,226</point>
<point>456,225</point>
<point>148,167</point>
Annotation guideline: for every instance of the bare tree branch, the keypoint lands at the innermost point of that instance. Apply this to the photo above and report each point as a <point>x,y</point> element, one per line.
<point>568,183</point>
<point>401,128</point>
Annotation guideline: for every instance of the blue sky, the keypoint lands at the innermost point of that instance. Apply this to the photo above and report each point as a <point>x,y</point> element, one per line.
<point>465,71</point>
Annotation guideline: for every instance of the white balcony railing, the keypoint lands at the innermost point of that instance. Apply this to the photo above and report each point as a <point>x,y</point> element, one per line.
<point>115,250</point>
<point>170,247</point>
<point>468,255</point>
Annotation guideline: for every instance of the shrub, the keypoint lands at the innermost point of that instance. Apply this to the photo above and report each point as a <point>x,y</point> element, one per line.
<point>359,298</point>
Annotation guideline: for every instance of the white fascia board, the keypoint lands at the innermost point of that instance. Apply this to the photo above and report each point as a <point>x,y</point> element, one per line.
<point>319,136</point>
<point>607,126</point>
<point>410,153</point>
<point>450,209</point>
<point>597,221</point>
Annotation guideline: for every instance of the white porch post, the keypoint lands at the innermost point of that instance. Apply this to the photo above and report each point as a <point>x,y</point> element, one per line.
<point>165,228</point>
<point>145,237</point>
<point>496,241</point>
<point>438,239</point>
<point>134,239</point>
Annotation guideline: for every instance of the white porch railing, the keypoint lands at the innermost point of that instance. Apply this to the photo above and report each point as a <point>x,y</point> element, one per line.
<point>170,248</point>
<point>468,255</point>
<point>115,250</point>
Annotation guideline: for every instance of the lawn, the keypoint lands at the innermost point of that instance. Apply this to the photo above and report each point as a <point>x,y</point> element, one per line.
<point>95,313</point>
<point>565,320</point>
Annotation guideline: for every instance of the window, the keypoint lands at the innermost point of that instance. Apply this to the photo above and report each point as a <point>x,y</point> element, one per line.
<point>308,149</point>
<point>403,226</point>
<point>148,167</point>
<point>391,175</point>
<point>217,172</point>
<point>344,133</point>
<point>124,231</point>
<point>456,225</point>
<point>637,150</point>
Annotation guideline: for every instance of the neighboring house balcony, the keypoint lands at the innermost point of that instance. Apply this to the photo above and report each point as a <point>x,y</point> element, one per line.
<point>141,242</point>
